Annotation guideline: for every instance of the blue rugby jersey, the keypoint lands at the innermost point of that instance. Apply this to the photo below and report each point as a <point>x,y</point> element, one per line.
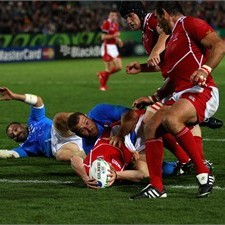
<point>38,142</point>
<point>103,115</point>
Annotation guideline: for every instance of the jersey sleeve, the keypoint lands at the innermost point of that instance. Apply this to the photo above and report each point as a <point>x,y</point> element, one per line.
<point>107,113</point>
<point>36,114</point>
<point>197,28</point>
<point>22,153</point>
<point>105,27</point>
<point>152,23</point>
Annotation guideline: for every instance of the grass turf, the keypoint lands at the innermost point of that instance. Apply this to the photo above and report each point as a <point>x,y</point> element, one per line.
<point>43,191</point>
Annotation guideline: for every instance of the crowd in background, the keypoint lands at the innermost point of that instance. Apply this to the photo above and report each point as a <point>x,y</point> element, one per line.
<point>50,17</point>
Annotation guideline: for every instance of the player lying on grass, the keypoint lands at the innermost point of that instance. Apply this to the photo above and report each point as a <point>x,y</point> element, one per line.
<point>127,161</point>
<point>39,137</point>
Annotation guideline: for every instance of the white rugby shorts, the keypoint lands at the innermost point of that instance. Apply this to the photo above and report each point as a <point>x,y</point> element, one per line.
<point>57,141</point>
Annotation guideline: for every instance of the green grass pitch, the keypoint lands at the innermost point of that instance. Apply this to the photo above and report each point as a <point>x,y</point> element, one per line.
<point>44,191</point>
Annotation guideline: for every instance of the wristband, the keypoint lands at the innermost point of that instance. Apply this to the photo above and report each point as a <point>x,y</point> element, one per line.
<point>208,68</point>
<point>154,98</point>
<point>30,99</point>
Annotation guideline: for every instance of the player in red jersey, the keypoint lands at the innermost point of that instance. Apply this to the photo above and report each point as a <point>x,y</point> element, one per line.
<point>119,158</point>
<point>109,51</point>
<point>192,52</point>
<point>153,40</point>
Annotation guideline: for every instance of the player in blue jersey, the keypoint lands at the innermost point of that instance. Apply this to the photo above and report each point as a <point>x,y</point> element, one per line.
<point>39,137</point>
<point>91,126</point>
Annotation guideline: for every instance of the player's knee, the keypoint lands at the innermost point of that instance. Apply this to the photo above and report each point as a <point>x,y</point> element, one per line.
<point>150,129</point>
<point>170,121</point>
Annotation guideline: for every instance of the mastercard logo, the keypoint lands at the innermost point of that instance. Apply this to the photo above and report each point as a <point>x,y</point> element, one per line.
<point>48,53</point>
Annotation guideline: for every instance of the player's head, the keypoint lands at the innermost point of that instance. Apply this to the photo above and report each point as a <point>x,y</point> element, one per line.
<point>113,16</point>
<point>81,125</point>
<point>164,11</point>
<point>17,131</point>
<point>134,13</point>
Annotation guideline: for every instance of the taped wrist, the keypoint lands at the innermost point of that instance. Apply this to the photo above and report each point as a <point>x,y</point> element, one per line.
<point>30,99</point>
<point>154,98</point>
<point>5,154</point>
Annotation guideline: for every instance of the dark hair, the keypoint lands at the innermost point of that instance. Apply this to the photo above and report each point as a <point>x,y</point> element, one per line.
<point>73,120</point>
<point>136,7</point>
<point>172,7</point>
<point>6,130</point>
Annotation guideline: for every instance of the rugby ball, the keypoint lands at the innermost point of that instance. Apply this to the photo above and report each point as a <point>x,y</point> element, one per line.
<point>99,171</point>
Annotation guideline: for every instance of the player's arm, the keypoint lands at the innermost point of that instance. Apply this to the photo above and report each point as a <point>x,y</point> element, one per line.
<point>78,167</point>
<point>131,175</point>
<point>165,90</point>
<point>217,51</point>
<point>136,67</point>
<point>8,95</point>
<point>106,36</point>
<point>154,57</point>
<point>18,152</point>
<point>139,171</point>
<point>128,121</point>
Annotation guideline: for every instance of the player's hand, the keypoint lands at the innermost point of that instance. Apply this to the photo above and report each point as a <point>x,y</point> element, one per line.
<point>199,77</point>
<point>91,182</point>
<point>116,141</point>
<point>112,176</point>
<point>119,42</point>
<point>135,156</point>
<point>6,94</point>
<point>116,35</point>
<point>153,59</point>
<point>142,102</point>
<point>133,68</point>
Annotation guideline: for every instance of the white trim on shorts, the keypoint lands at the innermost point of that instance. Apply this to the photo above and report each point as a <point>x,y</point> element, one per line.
<point>111,49</point>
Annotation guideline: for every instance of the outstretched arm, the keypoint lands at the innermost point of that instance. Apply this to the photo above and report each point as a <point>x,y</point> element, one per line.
<point>78,167</point>
<point>7,95</point>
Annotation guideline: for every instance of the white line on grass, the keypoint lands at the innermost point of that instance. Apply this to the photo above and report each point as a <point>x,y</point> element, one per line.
<point>209,139</point>
<point>72,182</point>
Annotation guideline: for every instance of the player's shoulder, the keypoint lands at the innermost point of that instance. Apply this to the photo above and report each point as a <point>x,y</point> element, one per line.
<point>192,21</point>
<point>151,21</point>
<point>105,24</point>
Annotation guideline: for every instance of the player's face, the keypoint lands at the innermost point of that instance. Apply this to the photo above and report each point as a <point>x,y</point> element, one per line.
<point>133,21</point>
<point>163,21</point>
<point>113,16</point>
<point>86,127</point>
<point>17,132</point>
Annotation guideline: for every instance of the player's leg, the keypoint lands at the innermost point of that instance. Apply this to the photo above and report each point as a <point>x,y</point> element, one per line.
<point>181,113</point>
<point>154,151</point>
<point>116,65</point>
<point>168,139</point>
<point>103,76</point>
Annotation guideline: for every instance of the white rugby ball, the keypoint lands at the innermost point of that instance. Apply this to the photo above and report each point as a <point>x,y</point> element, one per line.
<point>99,171</point>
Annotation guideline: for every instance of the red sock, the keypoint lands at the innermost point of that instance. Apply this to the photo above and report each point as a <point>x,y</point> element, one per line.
<point>154,156</point>
<point>103,77</point>
<point>198,141</point>
<point>171,144</point>
<point>187,142</point>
